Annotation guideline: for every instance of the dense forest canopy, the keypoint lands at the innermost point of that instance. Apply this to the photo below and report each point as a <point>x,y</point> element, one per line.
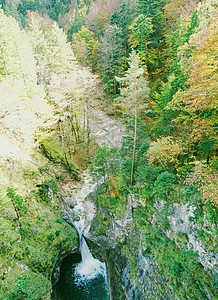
<point>150,63</point>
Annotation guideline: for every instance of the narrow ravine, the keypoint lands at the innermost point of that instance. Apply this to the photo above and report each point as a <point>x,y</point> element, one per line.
<point>90,270</point>
<point>82,277</point>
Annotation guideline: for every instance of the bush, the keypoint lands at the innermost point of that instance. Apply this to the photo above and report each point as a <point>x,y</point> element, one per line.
<point>59,221</point>
<point>58,232</point>
<point>164,185</point>
<point>30,287</point>
<point>48,185</point>
<point>176,269</point>
<point>51,236</point>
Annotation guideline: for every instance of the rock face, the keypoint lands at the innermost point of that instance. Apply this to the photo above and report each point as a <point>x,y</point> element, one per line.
<point>134,275</point>
<point>123,284</point>
<point>56,271</point>
<point>115,232</point>
<point>134,271</point>
<point>148,277</point>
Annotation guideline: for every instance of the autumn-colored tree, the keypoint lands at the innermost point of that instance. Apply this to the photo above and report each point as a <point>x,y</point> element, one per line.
<point>176,8</point>
<point>99,14</point>
<point>201,97</point>
<point>165,153</point>
<point>205,180</point>
<point>85,47</point>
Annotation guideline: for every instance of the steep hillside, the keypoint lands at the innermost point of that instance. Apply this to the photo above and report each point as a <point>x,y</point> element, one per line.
<point>42,146</point>
<point>152,65</point>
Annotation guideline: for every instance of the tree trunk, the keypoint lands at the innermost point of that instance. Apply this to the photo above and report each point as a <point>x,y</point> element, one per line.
<point>208,158</point>
<point>134,146</point>
<point>88,129</point>
<point>63,144</point>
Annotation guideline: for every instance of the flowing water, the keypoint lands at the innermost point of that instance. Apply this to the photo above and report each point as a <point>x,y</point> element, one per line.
<point>82,276</point>
<point>68,287</point>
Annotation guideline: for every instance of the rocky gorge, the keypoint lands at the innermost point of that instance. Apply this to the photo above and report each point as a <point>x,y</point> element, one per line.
<point>132,272</point>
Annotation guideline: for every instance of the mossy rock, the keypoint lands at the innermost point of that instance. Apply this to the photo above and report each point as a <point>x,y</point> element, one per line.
<point>182,239</point>
<point>53,149</point>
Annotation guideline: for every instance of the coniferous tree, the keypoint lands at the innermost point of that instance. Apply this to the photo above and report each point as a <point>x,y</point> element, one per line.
<point>123,19</point>
<point>133,94</point>
<point>109,55</point>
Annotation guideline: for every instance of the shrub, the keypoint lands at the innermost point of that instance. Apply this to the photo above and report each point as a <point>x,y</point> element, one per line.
<point>164,184</point>
<point>30,287</point>
<point>59,221</point>
<point>48,185</point>
<point>51,236</point>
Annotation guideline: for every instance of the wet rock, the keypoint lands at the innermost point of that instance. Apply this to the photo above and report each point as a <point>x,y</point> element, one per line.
<point>75,217</point>
<point>67,219</point>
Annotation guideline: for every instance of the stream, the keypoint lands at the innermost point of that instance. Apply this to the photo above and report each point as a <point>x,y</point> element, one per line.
<point>82,277</point>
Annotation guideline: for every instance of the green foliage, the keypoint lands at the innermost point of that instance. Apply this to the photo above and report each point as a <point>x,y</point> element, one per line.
<point>29,249</point>
<point>134,88</point>
<point>176,269</point>
<point>164,185</point>
<point>176,81</point>
<point>30,287</point>
<point>60,221</point>
<point>156,40</point>
<point>51,236</point>
<point>140,28</point>
<point>110,57</point>
<point>101,223</point>
<point>58,232</point>
<point>52,8</point>
<point>192,26</point>
<point>182,239</point>
<point>104,163</point>
<point>123,19</point>
<point>128,138</point>
<point>85,38</point>
<point>47,190</point>
<point>180,265</point>
<point>54,150</point>
<point>146,175</point>
<point>208,239</point>
<point>76,25</point>
<point>17,202</point>
<point>181,101</point>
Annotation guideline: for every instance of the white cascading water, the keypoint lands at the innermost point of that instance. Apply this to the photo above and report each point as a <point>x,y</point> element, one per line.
<point>89,268</point>
<point>103,129</point>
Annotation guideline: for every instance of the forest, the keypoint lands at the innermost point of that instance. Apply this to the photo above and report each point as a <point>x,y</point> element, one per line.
<point>149,64</point>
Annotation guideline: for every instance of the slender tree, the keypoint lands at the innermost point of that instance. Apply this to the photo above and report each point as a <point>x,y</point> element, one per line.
<point>134,92</point>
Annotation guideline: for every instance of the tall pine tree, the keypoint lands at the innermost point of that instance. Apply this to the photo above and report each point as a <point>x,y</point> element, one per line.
<point>133,94</point>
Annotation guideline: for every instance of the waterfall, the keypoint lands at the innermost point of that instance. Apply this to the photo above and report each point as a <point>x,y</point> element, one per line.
<point>87,280</point>
<point>89,268</point>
